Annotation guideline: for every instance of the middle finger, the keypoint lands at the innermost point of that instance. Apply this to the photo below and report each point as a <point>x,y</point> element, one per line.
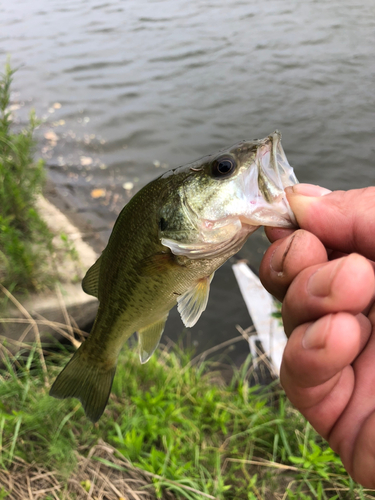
<point>287,257</point>
<point>345,284</point>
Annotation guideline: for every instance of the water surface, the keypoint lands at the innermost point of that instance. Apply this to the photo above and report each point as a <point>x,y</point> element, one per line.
<point>131,88</point>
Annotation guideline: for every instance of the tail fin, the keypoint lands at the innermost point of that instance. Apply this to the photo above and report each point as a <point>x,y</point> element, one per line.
<point>89,382</point>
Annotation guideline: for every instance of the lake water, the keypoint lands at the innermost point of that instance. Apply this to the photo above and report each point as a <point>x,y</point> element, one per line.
<point>128,88</point>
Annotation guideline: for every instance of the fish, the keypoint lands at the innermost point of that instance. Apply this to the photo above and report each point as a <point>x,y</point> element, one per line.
<point>164,249</point>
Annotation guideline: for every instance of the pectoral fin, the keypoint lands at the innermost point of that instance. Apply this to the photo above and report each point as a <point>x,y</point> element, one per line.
<point>149,338</point>
<point>193,302</point>
<point>90,282</point>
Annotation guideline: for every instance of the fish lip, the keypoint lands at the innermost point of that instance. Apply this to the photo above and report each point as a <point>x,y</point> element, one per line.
<point>274,175</point>
<point>273,142</point>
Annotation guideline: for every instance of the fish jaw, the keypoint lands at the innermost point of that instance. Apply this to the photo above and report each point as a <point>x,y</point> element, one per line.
<point>274,175</point>
<point>214,249</point>
<point>261,187</point>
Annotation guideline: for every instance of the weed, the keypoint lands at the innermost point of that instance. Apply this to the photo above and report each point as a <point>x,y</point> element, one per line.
<point>172,424</point>
<point>3,493</point>
<point>25,241</point>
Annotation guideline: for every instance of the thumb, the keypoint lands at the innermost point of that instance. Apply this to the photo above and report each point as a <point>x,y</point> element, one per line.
<point>342,220</point>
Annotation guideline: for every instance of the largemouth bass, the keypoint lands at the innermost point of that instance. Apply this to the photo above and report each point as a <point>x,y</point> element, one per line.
<point>165,246</point>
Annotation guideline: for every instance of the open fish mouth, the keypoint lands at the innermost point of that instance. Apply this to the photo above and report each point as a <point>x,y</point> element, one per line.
<point>273,162</point>
<point>270,206</point>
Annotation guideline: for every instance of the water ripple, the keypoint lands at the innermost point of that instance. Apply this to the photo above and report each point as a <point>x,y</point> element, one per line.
<point>170,80</point>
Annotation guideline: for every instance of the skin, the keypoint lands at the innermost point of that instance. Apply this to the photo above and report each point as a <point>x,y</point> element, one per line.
<point>324,274</point>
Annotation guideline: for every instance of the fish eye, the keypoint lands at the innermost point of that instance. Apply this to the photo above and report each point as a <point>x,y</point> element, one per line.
<point>223,167</point>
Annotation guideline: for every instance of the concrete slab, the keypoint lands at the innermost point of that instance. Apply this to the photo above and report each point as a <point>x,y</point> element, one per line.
<point>68,304</point>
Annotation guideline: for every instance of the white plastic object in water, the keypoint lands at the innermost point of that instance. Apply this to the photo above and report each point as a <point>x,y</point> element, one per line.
<point>261,305</point>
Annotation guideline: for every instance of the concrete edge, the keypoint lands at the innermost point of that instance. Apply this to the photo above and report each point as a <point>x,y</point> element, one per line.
<point>68,298</point>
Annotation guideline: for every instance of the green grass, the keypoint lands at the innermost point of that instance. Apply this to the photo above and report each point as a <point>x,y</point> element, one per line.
<point>173,425</point>
<point>194,436</point>
<point>25,241</point>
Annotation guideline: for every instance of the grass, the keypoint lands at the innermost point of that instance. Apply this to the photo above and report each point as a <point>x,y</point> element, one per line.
<point>25,241</point>
<point>173,429</point>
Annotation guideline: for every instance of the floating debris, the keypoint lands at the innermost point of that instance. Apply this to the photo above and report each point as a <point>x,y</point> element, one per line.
<point>128,186</point>
<point>115,199</point>
<point>98,193</point>
<point>103,166</point>
<point>58,123</point>
<point>57,105</point>
<point>51,138</point>
<point>158,164</point>
<point>85,161</point>
<point>13,107</point>
<point>47,152</point>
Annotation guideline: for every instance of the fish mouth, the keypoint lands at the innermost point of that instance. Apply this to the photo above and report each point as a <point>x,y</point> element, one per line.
<point>270,206</point>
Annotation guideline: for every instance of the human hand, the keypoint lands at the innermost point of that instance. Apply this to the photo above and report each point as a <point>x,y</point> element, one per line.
<point>324,274</point>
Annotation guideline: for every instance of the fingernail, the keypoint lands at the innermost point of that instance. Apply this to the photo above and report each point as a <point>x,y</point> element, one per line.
<point>319,284</point>
<point>279,255</point>
<point>315,335</point>
<point>307,190</point>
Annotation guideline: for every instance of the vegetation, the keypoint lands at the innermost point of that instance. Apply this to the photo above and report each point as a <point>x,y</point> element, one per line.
<point>25,241</point>
<point>173,430</point>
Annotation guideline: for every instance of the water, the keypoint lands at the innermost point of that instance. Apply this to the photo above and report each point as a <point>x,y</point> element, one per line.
<point>144,85</point>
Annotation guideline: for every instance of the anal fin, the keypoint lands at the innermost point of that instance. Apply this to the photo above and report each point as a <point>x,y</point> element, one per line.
<point>193,302</point>
<point>90,282</point>
<point>149,338</point>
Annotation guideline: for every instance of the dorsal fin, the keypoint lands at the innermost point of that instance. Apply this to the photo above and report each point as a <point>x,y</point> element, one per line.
<point>149,338</point>
<point>193,302</point>
<point>90,282</point>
